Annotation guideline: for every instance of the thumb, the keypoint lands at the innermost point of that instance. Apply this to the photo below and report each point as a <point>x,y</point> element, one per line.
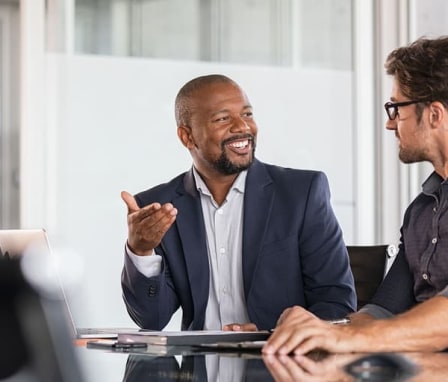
<point>130,202</point>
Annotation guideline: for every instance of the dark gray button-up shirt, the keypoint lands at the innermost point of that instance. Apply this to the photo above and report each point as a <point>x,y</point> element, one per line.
<point>420,270</point>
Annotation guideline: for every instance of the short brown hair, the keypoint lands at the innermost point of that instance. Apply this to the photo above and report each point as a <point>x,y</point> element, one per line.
<point>421,69</point>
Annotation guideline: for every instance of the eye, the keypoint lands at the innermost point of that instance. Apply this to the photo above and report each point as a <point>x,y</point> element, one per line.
<point>248,115</point>
<point>223,118</point>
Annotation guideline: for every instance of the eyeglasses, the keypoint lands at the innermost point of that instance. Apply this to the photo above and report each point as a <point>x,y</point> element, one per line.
<point>392,107</point>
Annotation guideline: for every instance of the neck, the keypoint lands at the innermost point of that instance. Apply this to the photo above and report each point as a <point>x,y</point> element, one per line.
<point>440,165</point>
<point>439,151</point>
<point>219,188</point>
<point>218,185</point>
<point>442,171</point>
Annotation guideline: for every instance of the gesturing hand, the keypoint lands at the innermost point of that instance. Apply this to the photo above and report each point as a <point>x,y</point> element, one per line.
<point>147,225</point>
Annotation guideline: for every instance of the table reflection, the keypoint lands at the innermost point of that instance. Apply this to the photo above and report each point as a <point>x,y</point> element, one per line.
<point>311,368</point>
<point>384,367</point>
<point>203,367</point>
<point>253,366</point>
<point>315,367</point>
<point>431,366</point>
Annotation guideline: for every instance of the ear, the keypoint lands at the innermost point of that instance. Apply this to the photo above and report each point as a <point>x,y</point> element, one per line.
<point>437,113</point>
<point>185,136</point>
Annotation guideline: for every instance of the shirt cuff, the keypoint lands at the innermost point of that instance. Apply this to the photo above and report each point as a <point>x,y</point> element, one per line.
<point>444,292</point>
<point>148,266</point>
<point>376,311</point>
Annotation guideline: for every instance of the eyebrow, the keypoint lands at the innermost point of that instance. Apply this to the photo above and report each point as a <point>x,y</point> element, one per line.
<point>228,110</point>
<point>220,111</point>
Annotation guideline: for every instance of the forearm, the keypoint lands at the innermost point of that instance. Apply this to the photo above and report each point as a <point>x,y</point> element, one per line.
<point>360,318</point>
<point>368,313</point>
<point>423,328</point>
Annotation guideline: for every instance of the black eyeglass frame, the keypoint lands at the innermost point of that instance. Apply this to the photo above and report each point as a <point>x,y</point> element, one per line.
<point>395,105</point>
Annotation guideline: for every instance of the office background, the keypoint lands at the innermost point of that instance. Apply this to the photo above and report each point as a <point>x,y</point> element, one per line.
<point>86,110</point>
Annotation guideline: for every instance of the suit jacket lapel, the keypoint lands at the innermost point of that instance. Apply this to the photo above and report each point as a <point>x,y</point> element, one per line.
<point>190,223</point>
<point>258,197</point>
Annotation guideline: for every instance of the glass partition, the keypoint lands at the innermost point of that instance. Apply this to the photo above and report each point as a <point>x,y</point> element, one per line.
<point>269,32</point>
<point>110,108</point>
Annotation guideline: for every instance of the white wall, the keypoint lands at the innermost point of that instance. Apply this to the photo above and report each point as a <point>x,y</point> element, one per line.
<point>110,127</point>
<point>100,135</point>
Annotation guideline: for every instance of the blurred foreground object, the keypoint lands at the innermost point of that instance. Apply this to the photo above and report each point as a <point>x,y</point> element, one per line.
<point>36,345</point>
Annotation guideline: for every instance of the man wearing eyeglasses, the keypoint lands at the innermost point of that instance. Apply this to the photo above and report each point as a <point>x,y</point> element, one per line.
<point>409,312</point>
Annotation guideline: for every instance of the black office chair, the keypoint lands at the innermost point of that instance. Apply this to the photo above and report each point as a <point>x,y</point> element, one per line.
<point>369,264</point>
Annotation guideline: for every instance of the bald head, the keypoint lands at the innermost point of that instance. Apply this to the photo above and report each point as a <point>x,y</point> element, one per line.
<point>184,98</point>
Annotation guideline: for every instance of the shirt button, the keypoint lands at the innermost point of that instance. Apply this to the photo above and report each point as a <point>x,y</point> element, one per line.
<point>434,240</point>
<point>435,209</point>
<point>222,250</point>
<point>220,211</point>
<point>425,276</point>
<point>224,290</point>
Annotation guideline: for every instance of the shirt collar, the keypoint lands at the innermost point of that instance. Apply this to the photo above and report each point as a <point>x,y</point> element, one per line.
<point>432,184</point>
<point>238,185</point>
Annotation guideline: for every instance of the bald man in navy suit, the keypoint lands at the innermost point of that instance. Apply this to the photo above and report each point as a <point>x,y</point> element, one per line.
<point>233,241</point>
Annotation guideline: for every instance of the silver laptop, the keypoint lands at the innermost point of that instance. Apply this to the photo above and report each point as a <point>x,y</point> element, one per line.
<point>17,242</point>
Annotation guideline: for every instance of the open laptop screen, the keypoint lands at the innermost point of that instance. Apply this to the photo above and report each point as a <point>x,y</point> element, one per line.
<point>35,243</point>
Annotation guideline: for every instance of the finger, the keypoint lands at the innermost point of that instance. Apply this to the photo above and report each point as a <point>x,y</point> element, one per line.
<point>276,368</point>
<point>283,316</point>
<point>294,313</point>
<point>277,339</point>
<point>169,209</point>
<point>150,217</point>
<point>157,213</point>
<point>234,327</point>
<point>284,340</point>
<point>130,202</point>
<point>150,224</point>
<point>294,369</point>
<point>303,340</point>
<point>309,344</point>
<point>307,364</point>
<point>250,327</point>
<point>162,219</point>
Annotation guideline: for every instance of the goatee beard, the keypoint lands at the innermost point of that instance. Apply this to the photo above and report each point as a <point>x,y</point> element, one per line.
<point>226,167</point>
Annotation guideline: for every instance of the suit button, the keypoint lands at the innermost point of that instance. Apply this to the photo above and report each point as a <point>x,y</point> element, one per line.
<point>152,290</point>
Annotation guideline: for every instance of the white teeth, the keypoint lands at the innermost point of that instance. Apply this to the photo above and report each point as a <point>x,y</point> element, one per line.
<point>240,144</point>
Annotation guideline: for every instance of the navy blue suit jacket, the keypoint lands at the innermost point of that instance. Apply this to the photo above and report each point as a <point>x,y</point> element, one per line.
<point>293,252</point>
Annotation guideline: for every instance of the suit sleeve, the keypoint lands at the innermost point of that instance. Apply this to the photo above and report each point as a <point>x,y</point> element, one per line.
<point>328,280</point>
<point>150,301</point>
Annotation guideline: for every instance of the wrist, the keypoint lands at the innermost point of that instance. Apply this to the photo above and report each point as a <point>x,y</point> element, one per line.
<point>137,252</point>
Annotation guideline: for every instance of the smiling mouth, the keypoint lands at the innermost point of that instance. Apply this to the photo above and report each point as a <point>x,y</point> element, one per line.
<point>241,146</point>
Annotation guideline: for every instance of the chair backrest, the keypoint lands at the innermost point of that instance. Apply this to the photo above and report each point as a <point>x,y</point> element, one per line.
<point>369,264</point>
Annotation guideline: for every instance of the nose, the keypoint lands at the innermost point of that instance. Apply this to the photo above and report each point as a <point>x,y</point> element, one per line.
<point>391,125</point>
<point>240,125</point>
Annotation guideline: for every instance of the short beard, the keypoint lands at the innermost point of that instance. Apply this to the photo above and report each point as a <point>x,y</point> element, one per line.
<point>411,157</point>
<point>415,154</point>
<point>226,167</point>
